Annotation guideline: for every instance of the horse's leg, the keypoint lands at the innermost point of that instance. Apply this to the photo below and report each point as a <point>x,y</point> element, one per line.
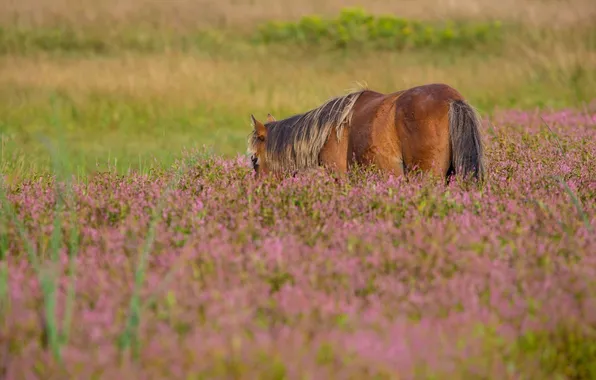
<point>422,120</point>
<point>334,154</point>
<point>386,150</point>
<point>389,163</point>
<point>431,149</point>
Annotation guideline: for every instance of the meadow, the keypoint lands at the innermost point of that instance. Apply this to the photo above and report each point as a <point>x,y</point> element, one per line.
<point>136,243</point>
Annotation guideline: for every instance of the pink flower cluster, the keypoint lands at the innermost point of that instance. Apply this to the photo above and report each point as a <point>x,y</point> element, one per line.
<point>313,277</point>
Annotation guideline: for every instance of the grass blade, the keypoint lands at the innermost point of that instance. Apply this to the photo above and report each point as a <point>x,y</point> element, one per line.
<point>576,202</point>
<point>129,338</point>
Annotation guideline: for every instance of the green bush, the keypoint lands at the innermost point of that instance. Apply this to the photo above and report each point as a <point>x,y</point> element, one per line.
<point>356,28</point>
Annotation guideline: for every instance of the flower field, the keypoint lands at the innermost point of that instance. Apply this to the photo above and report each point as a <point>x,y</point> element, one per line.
<point>201,272</point>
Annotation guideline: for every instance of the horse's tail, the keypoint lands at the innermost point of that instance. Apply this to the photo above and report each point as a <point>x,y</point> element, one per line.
<point>467,150</point>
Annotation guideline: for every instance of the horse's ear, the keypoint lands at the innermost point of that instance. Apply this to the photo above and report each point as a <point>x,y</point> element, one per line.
<point>270,118</point>
<point>259,127</point>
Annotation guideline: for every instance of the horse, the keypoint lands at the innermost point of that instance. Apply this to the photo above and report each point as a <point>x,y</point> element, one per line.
<point>430,127</point>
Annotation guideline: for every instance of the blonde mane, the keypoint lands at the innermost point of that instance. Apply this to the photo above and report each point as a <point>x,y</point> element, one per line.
<point>296,142</point>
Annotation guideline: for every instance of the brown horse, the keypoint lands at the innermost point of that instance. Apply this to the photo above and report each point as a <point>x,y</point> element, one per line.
<point>430,127</point>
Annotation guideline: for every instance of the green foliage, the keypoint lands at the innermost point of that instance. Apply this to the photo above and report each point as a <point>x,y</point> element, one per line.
<point>566,352</point>
<point>278,279</point>
<point>356,28</point>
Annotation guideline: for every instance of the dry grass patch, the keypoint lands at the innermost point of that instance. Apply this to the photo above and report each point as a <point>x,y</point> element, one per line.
<point>266,83</point>
<point>243,14</point>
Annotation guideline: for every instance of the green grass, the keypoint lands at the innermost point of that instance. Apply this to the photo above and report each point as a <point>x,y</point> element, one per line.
<point>137,97</point>
<point>115,130</point>
<point>567,351</point>
<point>67,40</point>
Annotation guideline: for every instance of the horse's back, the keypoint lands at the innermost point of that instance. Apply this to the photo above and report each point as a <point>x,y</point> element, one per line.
<point>431,100</point>
<point>376,113</point>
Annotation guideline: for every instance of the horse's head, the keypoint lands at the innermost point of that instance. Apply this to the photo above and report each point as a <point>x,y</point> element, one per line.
<point>259,145</point>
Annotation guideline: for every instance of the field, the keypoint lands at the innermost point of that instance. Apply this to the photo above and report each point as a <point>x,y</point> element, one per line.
<point>136,243</point>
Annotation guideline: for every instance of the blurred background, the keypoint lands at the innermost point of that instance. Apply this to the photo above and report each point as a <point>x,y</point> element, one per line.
<point>128,84</point>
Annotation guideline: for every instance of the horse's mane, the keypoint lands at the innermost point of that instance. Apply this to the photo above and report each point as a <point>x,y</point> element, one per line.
<point>295,143</point>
